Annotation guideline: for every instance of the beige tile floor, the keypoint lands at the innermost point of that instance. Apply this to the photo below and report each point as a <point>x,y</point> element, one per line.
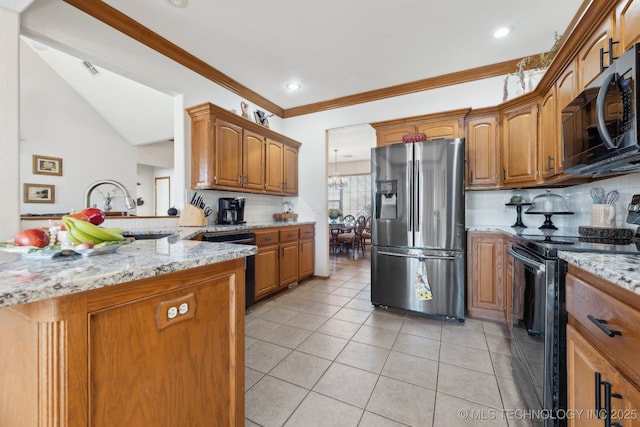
<point>320,354</point>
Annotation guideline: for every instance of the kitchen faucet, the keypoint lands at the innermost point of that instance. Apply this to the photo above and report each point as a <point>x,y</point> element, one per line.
<point>128,200</point>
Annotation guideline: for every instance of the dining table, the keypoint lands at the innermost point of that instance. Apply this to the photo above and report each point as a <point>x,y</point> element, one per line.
<point>337,228</point>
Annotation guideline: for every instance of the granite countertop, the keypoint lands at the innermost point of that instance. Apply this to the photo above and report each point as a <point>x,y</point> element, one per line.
<point>190,232</point>
<point>620,269</point>
<point>26,279</point>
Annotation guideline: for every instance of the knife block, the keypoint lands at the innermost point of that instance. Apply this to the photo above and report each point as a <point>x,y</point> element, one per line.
<point>192,216</point>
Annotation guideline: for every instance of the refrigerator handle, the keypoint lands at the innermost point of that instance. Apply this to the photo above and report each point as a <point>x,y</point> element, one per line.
<point>416,196</point>
<point>410,194</point>
<point>443,257</point>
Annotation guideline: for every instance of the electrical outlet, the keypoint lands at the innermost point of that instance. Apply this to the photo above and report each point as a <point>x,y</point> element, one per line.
<point>172,312</point>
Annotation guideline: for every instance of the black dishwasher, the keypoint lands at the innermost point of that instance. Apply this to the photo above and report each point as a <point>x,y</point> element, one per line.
<point>240,238</point>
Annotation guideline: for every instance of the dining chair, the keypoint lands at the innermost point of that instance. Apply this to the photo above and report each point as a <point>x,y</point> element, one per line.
<point>348,219</point>
<point>366,233</point>
<point>353,237</point>
<point>333,239</point>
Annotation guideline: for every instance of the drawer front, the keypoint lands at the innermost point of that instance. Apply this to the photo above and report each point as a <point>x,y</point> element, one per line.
<point>266,238</point>
<point>307,232</point>
<point>289,234</point>
<point>590,307</point>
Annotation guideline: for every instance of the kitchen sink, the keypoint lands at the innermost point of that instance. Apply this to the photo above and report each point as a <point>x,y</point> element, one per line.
<point>147,236</point>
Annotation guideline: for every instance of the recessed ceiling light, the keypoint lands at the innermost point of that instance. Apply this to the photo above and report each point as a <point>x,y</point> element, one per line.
<point>501,32</point>
<point>294,86</point>
<point>179,3</point>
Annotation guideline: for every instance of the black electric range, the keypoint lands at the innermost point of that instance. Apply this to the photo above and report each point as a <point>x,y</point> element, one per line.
<point>547,243</point>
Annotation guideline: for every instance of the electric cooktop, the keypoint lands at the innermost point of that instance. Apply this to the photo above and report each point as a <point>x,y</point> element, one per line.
<point>548,243</point>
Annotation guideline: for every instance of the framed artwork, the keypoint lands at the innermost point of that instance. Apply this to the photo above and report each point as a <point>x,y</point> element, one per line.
<point>39,193</point>
<point>43,165</point>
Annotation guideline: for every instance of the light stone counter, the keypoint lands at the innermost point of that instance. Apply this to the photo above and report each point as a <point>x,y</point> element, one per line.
<point>24,279</point>
<point>190,232</point>
<point>620,269</point>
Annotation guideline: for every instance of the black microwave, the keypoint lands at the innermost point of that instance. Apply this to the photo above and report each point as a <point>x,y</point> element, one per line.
<point>600,126</point>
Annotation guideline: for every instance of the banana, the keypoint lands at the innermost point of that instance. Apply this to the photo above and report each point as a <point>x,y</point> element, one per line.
<point>84,232</point>
<point>75,235</point>
<point>83,237</point>
<point>98,232</point>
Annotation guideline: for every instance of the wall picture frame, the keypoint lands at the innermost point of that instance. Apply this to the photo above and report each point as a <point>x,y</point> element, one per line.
<point>39,193</point>
<point>44,165</point>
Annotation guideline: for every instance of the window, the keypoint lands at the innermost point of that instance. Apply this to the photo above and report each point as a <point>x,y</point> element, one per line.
<point>355,198</point>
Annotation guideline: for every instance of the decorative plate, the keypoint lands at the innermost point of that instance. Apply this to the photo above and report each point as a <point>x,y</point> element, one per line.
<point>62,252</point>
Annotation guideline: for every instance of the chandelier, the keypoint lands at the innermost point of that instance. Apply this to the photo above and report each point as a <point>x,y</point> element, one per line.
<point>335,180</point>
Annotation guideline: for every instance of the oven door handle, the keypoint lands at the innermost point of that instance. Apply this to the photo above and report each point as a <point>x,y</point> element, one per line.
<point>538,266</point>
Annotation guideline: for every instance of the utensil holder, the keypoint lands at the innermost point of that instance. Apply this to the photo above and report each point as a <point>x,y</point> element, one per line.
<point>603,215</point>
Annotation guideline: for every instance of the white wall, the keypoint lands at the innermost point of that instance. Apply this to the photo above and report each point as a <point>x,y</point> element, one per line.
<point>360,167</point>
<point>55,121</point>
<point>310,130</point>
<point>144,190</point>
<point>159,154</point>
<point>9,123</point>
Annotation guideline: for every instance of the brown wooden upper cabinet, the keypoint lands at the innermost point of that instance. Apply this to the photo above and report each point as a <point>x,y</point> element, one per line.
<point>448,124</point>
<point>229,152</point>
<point>253,160</point>
<point>482,149</point>
<point>547,134</point>
<point>566,91</point>
<point>628,19</point>
<point>519,144</point>
<point>282,168</point>
<point>275,166</point>
<point>589,54</point>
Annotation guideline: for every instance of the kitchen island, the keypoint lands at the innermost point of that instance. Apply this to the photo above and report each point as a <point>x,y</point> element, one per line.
<point>151,334</point>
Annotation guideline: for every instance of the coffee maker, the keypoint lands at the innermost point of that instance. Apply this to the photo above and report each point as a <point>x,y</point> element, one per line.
<point>231,210</point>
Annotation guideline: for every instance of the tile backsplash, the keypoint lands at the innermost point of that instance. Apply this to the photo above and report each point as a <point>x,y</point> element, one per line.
<point>259,208</point>
<point>487,208</point>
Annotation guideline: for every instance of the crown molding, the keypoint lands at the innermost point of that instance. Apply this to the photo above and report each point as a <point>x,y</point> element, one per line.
<point>465,76</point>
<point>589,14</point>
<point>121,22</point>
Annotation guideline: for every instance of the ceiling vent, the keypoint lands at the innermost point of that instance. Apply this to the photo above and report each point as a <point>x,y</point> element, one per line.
<point>89,66</point>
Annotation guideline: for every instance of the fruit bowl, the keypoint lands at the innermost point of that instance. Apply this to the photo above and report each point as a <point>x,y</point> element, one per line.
<point>58,251</point>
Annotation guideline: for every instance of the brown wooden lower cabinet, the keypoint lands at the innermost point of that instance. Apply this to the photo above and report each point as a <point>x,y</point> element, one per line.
<point>602,369</point>
<point>288,263</point>
<point>485,278</point>
<point>115,356</point>
<point>306,256</point>
<point>285,256</point>
<point>266,265</point>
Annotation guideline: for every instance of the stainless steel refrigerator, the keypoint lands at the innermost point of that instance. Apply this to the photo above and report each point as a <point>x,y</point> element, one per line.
<point>418,226</point>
